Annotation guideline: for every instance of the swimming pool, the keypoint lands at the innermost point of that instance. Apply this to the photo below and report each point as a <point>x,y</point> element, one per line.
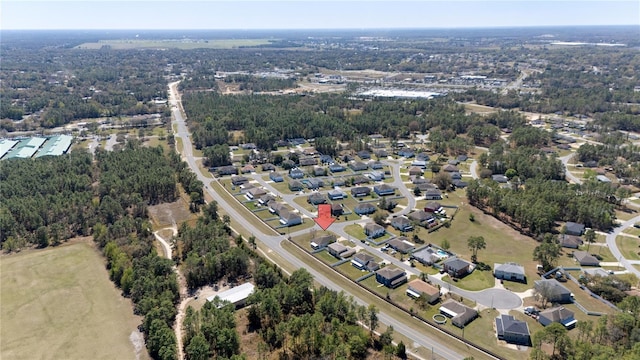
<point>442,254</point>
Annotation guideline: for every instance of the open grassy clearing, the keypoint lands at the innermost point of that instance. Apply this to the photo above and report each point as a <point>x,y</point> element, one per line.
<point>629,247</point>
<point>626,215</point>
<point>326,257</point>
<point>58,303</point>
<point>127,44</point>
<point>632,231</point>
<point>477,280</point>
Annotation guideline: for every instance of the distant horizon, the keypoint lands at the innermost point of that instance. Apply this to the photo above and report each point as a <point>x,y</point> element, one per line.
<point>164,15</point>
<point>506,27</point>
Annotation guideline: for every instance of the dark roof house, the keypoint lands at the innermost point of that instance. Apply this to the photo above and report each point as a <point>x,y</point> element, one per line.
<point>512,331</point>
<point>401,244</point>
<point>360,191</point>
<point>323,241</point>
<point>572,228</point>
<point>585,259</point>
<point>401,223</point>
<point>373,230</point>
<point>384,190</point>
<point>558,314</point>
<point>557,293</point>
<point>456,267</point>
<point>460,314</point>
<point>316,198</point>
<point>391,277</point>
<point>570,241</point>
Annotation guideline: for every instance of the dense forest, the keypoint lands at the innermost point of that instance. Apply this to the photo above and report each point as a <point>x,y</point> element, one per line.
<point>47,200</point>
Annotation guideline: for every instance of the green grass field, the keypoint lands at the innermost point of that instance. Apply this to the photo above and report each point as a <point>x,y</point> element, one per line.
<point>58,303</point>
<point>126,44</point>
<point>629,247</point>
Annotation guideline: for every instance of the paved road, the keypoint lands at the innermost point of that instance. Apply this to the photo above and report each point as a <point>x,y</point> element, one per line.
<point>274,241</point>
<point>565,161</point>
<point>611,242</point>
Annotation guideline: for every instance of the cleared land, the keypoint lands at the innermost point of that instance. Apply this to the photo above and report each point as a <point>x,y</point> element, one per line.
<point>173,44</point>
<point>58,303</point>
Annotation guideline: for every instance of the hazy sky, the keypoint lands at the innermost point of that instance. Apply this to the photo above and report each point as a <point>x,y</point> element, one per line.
<point>310,14</point>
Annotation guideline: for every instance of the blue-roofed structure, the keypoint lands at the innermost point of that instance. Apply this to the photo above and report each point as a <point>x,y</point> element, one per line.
<point>5,146</point>
<point>55,146</point>
<point>26,148</point>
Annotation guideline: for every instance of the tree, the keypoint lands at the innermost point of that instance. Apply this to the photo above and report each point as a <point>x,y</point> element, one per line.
<point>445,244</point>
<point>510,173</point>
<point>372,318</point>
<point>198,348</point>
<point>401,351</point>
<point>556,335</point>
<point>476,243</point>
<point>590,236</point>
<point>442,181</point>
<point>547,253</point>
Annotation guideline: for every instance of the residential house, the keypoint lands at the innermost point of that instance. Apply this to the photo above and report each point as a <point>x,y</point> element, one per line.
<point>401,244</point>
<point>459,313</point>
<point>336,194</point>
<point>339,182</point>
<point>360,191</point>
<point>362,261</point>
<point>358,166</point>
<point>382,153</point>
<point>255,193</point>
<point>423,218</point>
<point>421,289</point>
<point>288,218</point>
<point>555,291</point>
<point>401,223</point>
<point>419,180</point>
<point>276,207</point>
<point>427,256</point>
<point>450,168</point>
<point>374,230</point>
<point>336,249</point>
<point>239,180</point>
<point>308,161</point>
<point>314,183</point>
<point>459,184</point>
<point>558,314</point>
<point>295,185</point>
<point>384,190</point>
<point>310,151</point>
<point>376,165</point>
<point>425,186</point>
<point>422,156</point>
<point>336,209</point>
<point>364,209</point>
<point>391,277</point>
<point>268,167</point>
<point>419,163</point>
<point>456,267</point>
<point>432,194</point>
<point>499,178</point>
<point>415,171</point>
<point>248,146</point>
<point>585,259</point>
<point>406,153</point>
<point>509,271</point>
<point>433,207</point>
<point>296,173</point>
<point>227,170</point>
<point>316,198</point>
<point>264,199</point>
<point>572,228</point>
<point>319,171</point>
<point>323,241</point>
<point>456,176</point>
<point>364,155</point>
<point>597,272</point>
<point>512,331</point>
<point>334,168</point>
<point>462,158</point>
<point>453,162</point>
<point>360,179</point>
<point>326,159</point>
<point>276,177</point>
<point>570,241</point>
<point>376,175</point>
<point>247,169</point>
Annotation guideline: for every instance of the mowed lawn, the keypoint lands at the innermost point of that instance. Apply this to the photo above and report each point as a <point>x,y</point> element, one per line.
<point>59,303</point>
